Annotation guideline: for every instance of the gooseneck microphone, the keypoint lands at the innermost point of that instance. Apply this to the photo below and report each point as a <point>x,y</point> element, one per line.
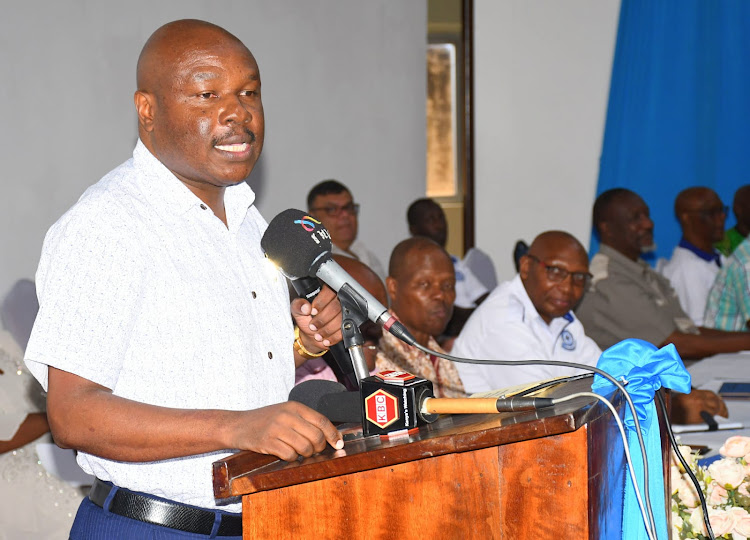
<point>332,400</point>
<point>300,246</point>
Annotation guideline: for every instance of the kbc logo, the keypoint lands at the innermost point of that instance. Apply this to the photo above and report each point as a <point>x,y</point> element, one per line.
<point>381,409</point>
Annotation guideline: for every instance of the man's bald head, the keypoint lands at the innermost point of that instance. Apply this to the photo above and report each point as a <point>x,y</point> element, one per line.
<point>554,273</point>
<point>400,263</point>
<point>199,106</point>
<point>701,215</point>
<point>622,221</point>
<point>422,285</point>
<point>550,243</point>
<point>426,218</point>
<point>171,44</point>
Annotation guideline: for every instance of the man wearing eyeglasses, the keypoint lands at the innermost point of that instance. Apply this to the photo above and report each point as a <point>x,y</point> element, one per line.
<point>529,318</point>
<point>695,262</point>
<point>629,299</point>
<point>332,203</point>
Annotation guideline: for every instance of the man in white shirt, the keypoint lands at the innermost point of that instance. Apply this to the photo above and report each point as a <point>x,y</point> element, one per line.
<point>530,318</point>
<point>426,218</point>
<point>332,203</point>
<point>163,338</point>
<point>695,262</point>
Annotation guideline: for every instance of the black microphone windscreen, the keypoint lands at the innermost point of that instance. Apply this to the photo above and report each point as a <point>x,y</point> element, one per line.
<point>329,398</point>
<point>297,243</point>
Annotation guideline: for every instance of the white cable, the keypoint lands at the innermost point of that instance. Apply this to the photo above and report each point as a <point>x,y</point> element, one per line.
<point>649,532</point>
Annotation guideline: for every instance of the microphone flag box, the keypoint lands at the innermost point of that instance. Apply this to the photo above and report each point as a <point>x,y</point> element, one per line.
<point>391,401</point>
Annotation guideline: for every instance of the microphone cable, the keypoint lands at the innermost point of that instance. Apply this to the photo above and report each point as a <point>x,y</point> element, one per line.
<point>610,378</point>
<point>649,531</point>
<point>676,449</point>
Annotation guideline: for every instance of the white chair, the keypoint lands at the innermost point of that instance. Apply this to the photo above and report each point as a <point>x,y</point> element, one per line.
<point>482,267</point>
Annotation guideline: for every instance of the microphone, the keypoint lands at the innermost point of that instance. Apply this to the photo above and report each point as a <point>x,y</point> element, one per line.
<point>306,287</point>
<point>300,246</point>
<point>395,400</point>
<point>482,405</point>
<point>329,398</point>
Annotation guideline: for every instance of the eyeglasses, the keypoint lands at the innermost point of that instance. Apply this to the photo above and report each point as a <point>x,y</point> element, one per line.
<point>557,275</point>
<point>711,213</point>
<point>335,211</point>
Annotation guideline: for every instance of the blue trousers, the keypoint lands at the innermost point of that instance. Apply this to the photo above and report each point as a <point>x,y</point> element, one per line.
<point>95,523</point>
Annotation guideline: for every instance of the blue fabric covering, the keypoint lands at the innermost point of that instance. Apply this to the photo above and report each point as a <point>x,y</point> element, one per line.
<point>678,112</point>
<point>646,369</point>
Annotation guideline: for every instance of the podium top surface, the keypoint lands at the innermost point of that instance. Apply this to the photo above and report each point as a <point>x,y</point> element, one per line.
<point>248,472</point>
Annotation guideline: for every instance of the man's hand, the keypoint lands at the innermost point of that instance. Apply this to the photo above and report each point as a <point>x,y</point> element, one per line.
<point>88,417</point>
<point>320,322</point>
<point>286,430</point>
<point>686,408</point>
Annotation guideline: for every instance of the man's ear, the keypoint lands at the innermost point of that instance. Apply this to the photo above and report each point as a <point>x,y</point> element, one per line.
<point>144,106</point>
<point>682,219</point>
<point>604,231</point>
<point>392,288</point>
<point>524,266</point>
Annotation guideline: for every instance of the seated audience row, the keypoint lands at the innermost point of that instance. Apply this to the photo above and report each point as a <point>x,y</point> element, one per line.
<point>531,316</point>
<point>629,299</point>
<point>704,253</point>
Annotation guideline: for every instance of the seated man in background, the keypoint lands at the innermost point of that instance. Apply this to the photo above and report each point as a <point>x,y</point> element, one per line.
<point>332,203</point>
<point>695,262</point>
<point>421,284</point>
<point>728,305</point>
<point>327,366</point>
<point>426,218</point>
<point>530,318</point>
<point>629,299</point>
<point>736,235</point>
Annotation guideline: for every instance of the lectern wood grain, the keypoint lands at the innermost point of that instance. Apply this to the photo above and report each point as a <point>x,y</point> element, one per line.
<point>553,473</point>
<point>383,503</point>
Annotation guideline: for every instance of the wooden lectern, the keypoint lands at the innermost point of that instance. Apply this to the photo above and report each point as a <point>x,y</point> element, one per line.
<point>552,473</point>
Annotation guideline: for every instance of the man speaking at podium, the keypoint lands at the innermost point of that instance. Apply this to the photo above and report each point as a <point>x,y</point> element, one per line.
<point>163,337</point>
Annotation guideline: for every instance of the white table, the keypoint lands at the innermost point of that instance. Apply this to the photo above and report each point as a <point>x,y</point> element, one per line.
<point>709,374</point>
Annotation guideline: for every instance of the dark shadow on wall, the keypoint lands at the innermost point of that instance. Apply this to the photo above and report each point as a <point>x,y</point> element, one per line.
<point>257,180</point>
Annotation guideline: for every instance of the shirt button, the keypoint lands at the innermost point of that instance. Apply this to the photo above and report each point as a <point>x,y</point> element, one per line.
<point>204,206</point>
<point>254,295</point>
<point>270,355</point>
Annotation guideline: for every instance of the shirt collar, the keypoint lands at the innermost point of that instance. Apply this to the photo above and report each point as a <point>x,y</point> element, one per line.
<point>706,256</point>
<point>638,266</point>
<point>172,198</point>
<point>530,312</point>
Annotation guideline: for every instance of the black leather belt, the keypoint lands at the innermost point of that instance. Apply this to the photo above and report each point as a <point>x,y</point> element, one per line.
<point>167,514</point>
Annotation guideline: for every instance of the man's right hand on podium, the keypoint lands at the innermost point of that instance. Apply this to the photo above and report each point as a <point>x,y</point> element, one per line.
<point>286,430</point>
<point>88,417</point>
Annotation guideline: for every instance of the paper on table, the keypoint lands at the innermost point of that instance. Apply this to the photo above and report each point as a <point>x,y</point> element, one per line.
<point>512,390</point>
<point>723,424</point>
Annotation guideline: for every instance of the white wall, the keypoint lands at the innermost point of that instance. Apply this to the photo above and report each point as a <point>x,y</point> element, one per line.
<point>542,72</point>
<point>343,90</point>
